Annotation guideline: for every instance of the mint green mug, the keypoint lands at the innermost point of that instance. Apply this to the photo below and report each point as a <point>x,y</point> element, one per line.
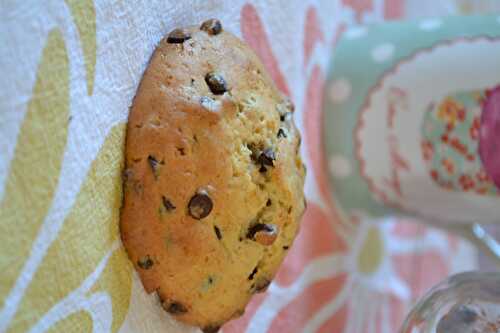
<point>412,123</point>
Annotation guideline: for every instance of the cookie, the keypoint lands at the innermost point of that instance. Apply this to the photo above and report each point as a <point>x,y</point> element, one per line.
<point>213,184</point>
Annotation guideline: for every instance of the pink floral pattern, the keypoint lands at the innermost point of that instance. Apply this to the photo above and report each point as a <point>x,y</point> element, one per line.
<point>312,33</point>
<point>343,274</point>
<point>359,6</point>
<point>254,34</point>
<point>393,9</point>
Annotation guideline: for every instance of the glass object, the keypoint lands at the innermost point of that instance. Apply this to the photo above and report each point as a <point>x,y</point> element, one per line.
<point>464,303</point>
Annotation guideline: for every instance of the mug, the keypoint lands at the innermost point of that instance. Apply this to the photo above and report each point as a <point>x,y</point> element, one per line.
<point>412,123</point>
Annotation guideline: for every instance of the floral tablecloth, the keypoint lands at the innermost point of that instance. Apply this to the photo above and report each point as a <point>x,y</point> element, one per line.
<point>69,70</point>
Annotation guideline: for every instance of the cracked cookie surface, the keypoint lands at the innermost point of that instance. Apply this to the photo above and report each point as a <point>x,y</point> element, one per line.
<point>213,184</point>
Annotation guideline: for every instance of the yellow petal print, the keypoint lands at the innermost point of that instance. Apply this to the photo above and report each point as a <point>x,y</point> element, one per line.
<point>372,252</point>
<point>116,280</point>
<point>76,322</point>
<point>34,171</point>
<point>88,239</point>
<point>83,13</point>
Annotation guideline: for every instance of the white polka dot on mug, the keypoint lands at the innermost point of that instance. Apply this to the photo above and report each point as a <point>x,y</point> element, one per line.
<point>383,52</point>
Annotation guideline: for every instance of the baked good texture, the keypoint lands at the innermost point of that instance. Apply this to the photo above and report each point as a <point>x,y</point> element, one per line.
<point>213,184</point>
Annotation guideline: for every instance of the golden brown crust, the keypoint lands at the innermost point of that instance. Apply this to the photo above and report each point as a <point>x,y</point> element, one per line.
<point>236,150</point>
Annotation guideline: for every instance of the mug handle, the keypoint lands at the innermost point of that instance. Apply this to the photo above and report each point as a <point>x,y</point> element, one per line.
<point>478,236</point>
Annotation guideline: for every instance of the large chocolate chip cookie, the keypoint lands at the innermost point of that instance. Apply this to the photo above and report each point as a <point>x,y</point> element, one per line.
<point>213,189</point>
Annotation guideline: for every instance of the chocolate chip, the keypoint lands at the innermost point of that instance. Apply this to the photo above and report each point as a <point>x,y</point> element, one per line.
<point>211,329</point>
<point>262,285</point>
<point>269,202</point>
<point>178,36</point>
<point>252,275</point>
<point>174,308</point>
<point>265,237</point>
<point>281,133</point>
<point>200,205</point>
<point>286,247</point>
<point>154,164</point>
<point>263,158</point>
<point>285,108</point>
<point>211,26</point>
<point>264,234</point>
<point>289,104</point>
<point>267,157</point>
<point>169,206</point>
<point>127,175</point>
<point>256,228</point>
<point>238,313</point>
<point>216,83</point>
<point>145,262</point>
<point>217,232</point>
